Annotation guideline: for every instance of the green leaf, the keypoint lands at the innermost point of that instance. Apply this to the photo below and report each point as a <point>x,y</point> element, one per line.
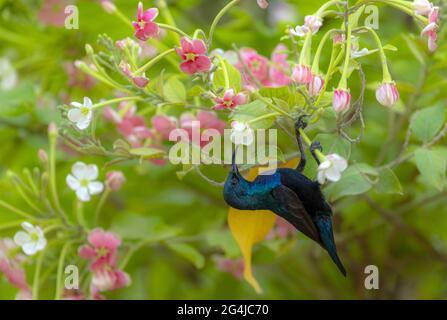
<point>188,252</point>
<point>252,111</point>
<point>282,93</point>
<point>138,227</point>
<point>12,100</point>
<point>426,123</point>
<point>388,182</point>
<point>147,153</point>
<point>234,77</point>
<point>334,144</point>
<point>432,165</point>
<point>174,90</point>
<point>355,180</point>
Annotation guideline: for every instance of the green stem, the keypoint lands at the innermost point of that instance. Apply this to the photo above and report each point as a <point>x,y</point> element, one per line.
<point>316,62</point>
<point>166,13</point>
<point>117,100</point>
<point>271,105</point>
<point>326,5</point>
<point>308,142</point>
<point>123,17</point>
<point>153,61</point>
<point>12,224</point>
<point>53,185</point>
<point>333,62</point>
<point>225,71</point>
<point>305,52</point>
<point>343,80</point>
<point>83,67</point>
<point>17,211</point>
<point>35,292</point>
<point>265,116</point>
<point>60,268</point>
<point>218,18</point>
<point>101,203</point>
<point>173,29</point>
<point>386,72</point>
<point>80,214</point>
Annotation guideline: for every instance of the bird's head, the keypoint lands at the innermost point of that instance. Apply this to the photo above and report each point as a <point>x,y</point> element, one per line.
<point>236,186</point>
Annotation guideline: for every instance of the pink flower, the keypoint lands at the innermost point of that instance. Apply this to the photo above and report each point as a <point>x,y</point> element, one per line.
<point>10,265</point>
<point>108,6</point>
<point>52,12</point>
<point>108,280</point>
<point>230,100</point>
<point>311,25</point>
<point>315,86</point>
<point>341,100</point>
<point>203,120</point>
<point>302,74</point>
<point>282,229</point>
<point>233,267</point>
<point>102,249</point>
<point>422,7</point>
<point>263,3</point>
<point>193,54</point>
<point>279,71</point>
<point>431,29</point>
<point>77,78</point>
<point>257,64</point>
<point>387,94</point>
<point>338,38</point>
<point>163,125</point>
<point>115,180</point>
<point>314,23</point>
<point>139,81</point>
<point>145,28</point>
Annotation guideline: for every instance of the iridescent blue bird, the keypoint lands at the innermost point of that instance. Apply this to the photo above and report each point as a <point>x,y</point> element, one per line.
<point>290,195</point>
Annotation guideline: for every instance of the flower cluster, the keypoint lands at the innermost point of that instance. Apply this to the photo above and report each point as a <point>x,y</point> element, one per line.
<point>426,8</point>
<point>102,252</point>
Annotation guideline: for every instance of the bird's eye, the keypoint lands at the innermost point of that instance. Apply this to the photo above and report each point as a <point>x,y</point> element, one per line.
<point>234,181</point>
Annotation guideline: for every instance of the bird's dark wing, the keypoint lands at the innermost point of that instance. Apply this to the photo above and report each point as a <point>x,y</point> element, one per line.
<point>296,214</point>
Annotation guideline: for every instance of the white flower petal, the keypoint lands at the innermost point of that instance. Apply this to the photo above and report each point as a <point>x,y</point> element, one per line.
<point>79,169</point>
<point>21,238</point>
<point>341,164</point>
<point>72,182</point>
<point>74,115</point>
<point>41,243</point>
<point>30,248</point>
<point>28,227</point>
<point>83,124</point>
<point>76,104</point>
<point>88,103</point>
<point>325,165</point>
<point>333,174</point>
<point>91,172</point>
<point>95,187</point>
<point>82,194</point>
<point>321,177</point>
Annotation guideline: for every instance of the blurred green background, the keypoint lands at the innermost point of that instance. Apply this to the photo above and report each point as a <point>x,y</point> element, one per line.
<point>404,235</point>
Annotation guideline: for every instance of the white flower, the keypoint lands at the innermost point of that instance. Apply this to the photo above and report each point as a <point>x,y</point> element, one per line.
<point>422,7</point>
<point>241,133</point>
<point>8,76</point>
<point>355,52</point>
<point>82,181</point>
<point>81,114</point>
<point>331,168</point>
<point>299,31</point>
<point>31,240</point>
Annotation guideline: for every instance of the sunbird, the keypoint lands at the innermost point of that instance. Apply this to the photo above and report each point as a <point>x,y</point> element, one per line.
<point>289,194</point>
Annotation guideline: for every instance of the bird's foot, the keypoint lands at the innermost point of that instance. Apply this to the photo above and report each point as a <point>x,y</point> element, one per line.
<point>301,123</point>
<point>316,145</point>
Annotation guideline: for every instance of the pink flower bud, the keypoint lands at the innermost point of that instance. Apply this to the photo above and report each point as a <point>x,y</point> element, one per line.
<point>422,7</point>
<point>163,125</point>
<point>52,129</point>
<point>387,94</point>
<point>341,100</point>
<point>302,74</point>
<point>314,87</point>
<point>43,156</point>
<point>263,3</point>
<point>140,82</point>
<point>108,6</point>
<point>314,23</point>
<point>115,180</point>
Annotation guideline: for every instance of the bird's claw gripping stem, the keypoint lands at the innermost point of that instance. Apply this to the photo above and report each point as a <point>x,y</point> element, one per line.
<point>301,123</point>
<point>316,145</point>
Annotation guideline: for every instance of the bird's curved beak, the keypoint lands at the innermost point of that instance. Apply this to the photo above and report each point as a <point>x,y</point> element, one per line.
<point>234,168</point>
